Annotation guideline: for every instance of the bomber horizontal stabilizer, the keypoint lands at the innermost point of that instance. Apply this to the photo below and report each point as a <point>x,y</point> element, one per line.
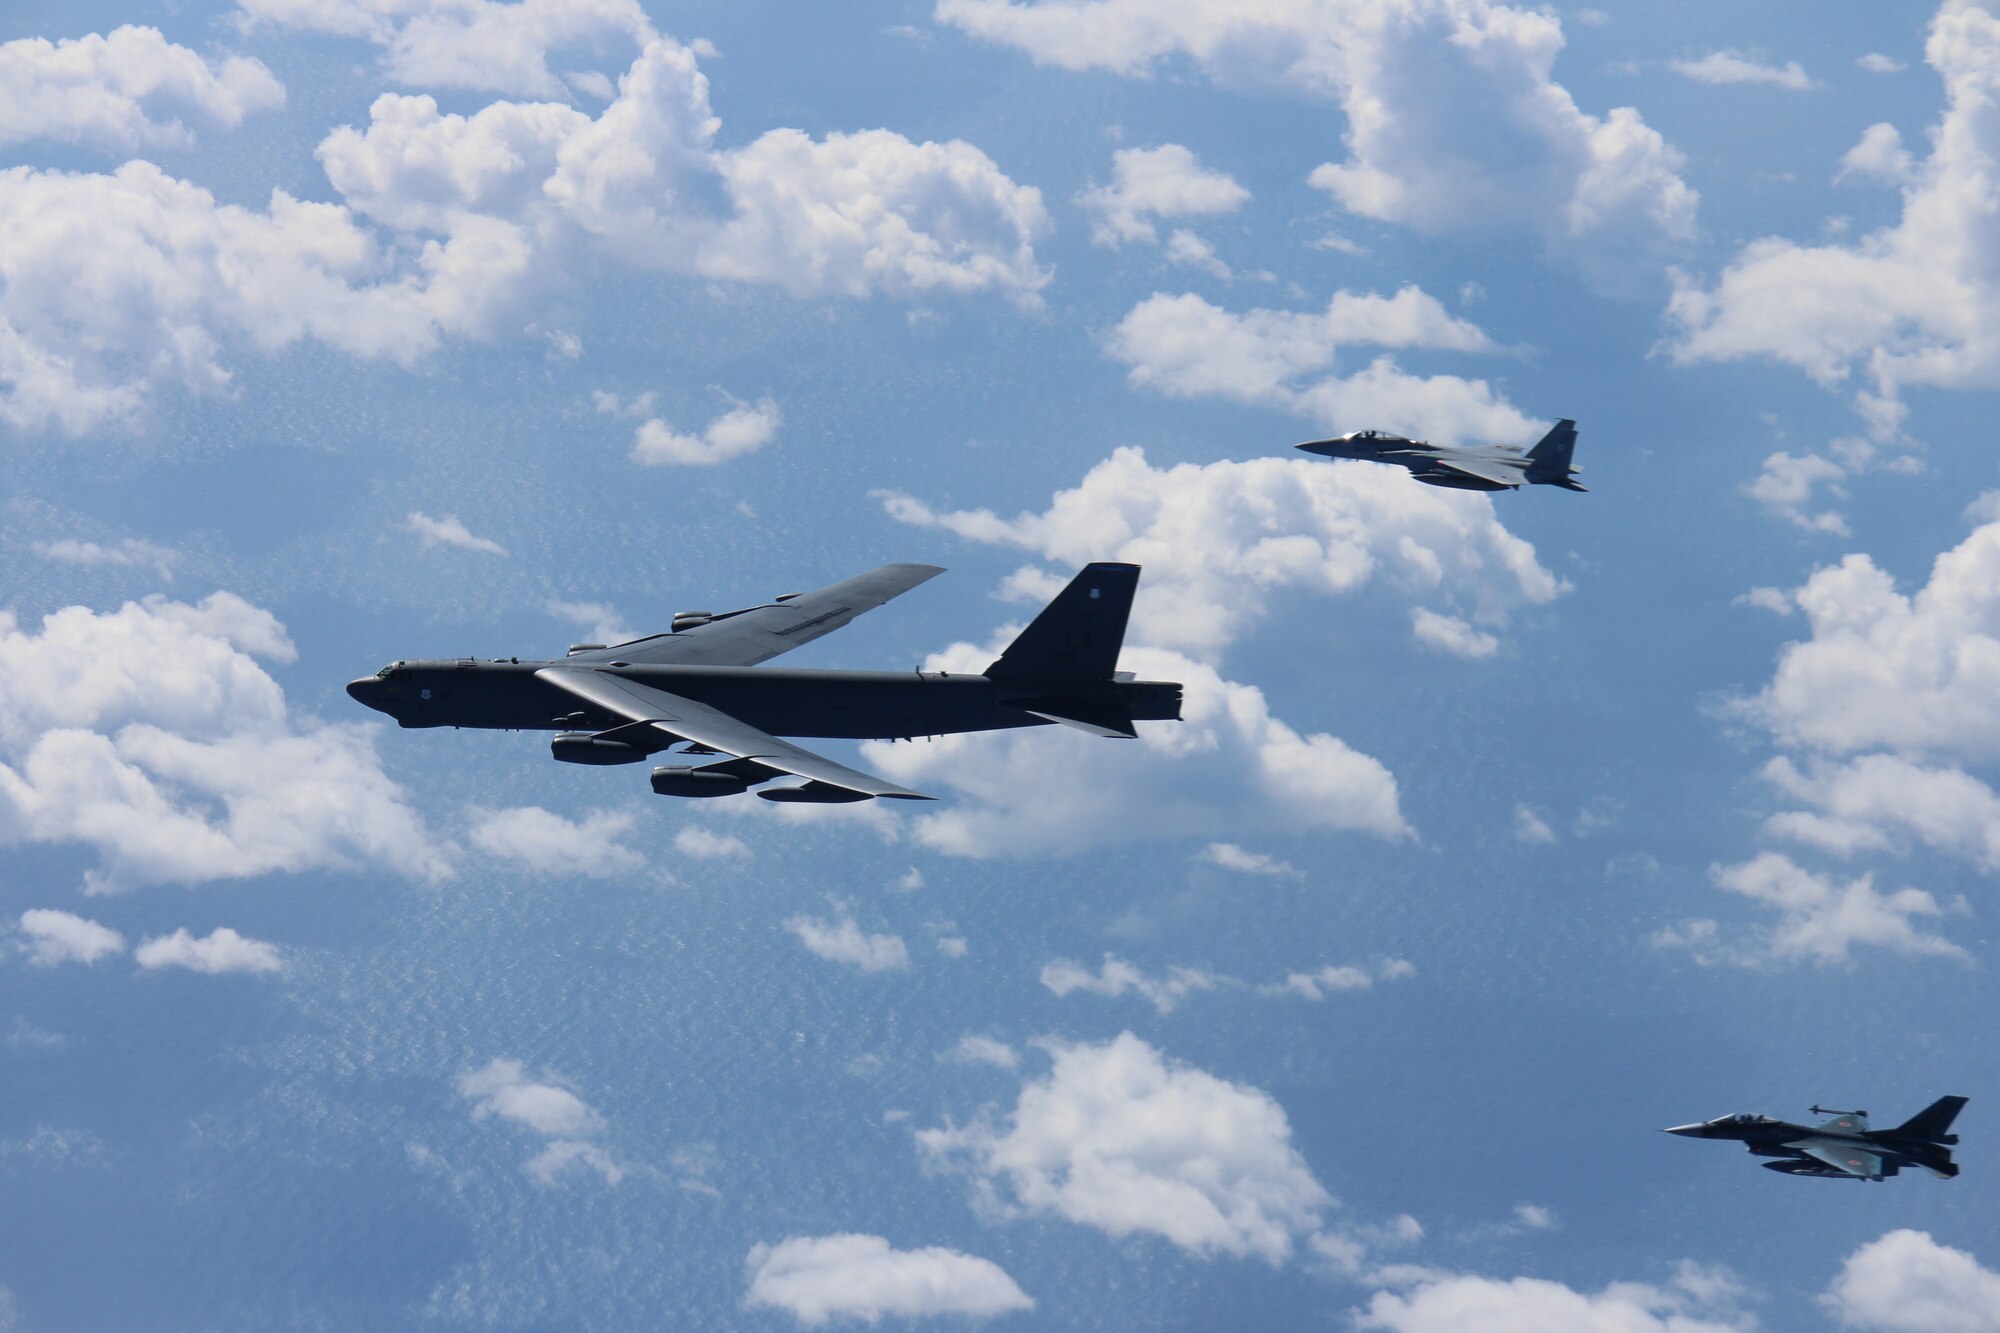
<point>1098,719</point>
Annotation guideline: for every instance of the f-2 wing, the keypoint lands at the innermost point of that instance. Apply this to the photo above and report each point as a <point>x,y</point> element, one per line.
<point>759,633</point>
<point>676,718</point>
<point>1845,1158</point>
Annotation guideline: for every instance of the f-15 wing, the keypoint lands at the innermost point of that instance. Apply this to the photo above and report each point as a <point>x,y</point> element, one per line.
<point>1843,1157</point>
<point>759,633</point>
<point>680,718</point>
<point>1500,474</point>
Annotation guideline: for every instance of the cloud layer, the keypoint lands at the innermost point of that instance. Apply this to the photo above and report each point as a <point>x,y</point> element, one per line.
<point>151,735</point>
<point>817,1278</point>
<point>1115,1136</point>
<point>1454,121</point>
<point>113,286</point>
<point>1914,303</point>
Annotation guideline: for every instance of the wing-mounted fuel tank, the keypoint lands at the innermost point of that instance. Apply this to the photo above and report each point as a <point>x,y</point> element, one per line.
<point>730,777</point>
<point>626,744</point>
<point>588,747</point>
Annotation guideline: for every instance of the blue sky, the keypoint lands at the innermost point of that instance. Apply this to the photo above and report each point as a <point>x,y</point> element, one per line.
<point>1500,832</point>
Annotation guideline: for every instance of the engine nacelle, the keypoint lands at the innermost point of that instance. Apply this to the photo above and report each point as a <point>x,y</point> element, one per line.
<point>690,619</point>
<point>681,780</point>
<point>583,747</point>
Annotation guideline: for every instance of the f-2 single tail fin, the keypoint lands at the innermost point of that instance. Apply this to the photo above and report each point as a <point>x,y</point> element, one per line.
<point>1077,636</point>
<point>1934,1121</point>
<point>1548,461</point>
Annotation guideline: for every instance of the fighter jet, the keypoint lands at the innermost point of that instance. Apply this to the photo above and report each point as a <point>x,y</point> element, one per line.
<point>695,685</point>
<point>1485,468</point>
<point>1843,1148</point>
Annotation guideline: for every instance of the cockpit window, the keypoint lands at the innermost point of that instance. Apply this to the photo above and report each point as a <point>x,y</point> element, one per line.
<point>387,671</point>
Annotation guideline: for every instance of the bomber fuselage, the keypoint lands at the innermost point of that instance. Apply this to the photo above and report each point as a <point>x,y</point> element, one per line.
<point>855,705</point>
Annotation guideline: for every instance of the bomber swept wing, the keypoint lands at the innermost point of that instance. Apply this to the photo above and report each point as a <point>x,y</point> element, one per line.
<point>759,633</point>
<point>676,719</point>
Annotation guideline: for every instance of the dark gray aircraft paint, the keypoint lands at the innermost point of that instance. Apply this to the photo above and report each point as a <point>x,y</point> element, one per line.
<point>696,685</point>
<point>1491,468</point>
<point>1843,1148</point>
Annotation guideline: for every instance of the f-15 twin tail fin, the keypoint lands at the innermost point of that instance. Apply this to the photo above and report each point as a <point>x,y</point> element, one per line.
<point>1548,461</point>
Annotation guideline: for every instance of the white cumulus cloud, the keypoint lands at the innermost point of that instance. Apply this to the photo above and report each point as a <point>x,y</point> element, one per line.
<point>1218,540</point>
<point>743,429</point>
<point>547,843</point>
<point>1739,67</point>
<point>1454,122</point>
<point>1164,182</point>
<point>1788,487</point>
<point>1340,977</point>
<point>221,950</point>
<point>151,735</point>
<point>124,90</point>
<point>842,941</point>
<point>502,1088</point>
<point>1118,1137</point>
<point>1451,635</point>
<point>1907,1282</point>
<point>499,46</point>
<point>49,937</point>
<point>976,1050</point>
<point>1820,919</point>
<point>1116,976</point>
<point>1232,857</point>
<point>707,845</point>
<point>448,531</point>
<point>1915,303</point>
<point>1879,155</point>
<point>127,554</point>
<point>115,285</point>
<point>850,1276</point>
<point>1186,347</point>
<point>1464,1303</point>
<point>1228,766</point>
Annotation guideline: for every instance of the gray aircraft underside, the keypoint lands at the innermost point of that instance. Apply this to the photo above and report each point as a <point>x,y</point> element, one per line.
<point>1844,1147</point>
<point>697,685</point>
<point>1466,468</point>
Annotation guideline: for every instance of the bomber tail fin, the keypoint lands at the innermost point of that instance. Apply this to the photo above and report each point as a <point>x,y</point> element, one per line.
<point>1077,636</point>
<point>1548,461</point>
<point>1934,1121</point>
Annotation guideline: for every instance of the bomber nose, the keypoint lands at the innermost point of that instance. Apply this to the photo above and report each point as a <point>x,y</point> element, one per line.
<point>367,690</point>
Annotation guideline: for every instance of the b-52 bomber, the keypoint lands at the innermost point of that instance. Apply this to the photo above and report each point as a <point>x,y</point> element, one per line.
<point>696,685</point>
<point>1843,1148</point>
<point>1486,468</point>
